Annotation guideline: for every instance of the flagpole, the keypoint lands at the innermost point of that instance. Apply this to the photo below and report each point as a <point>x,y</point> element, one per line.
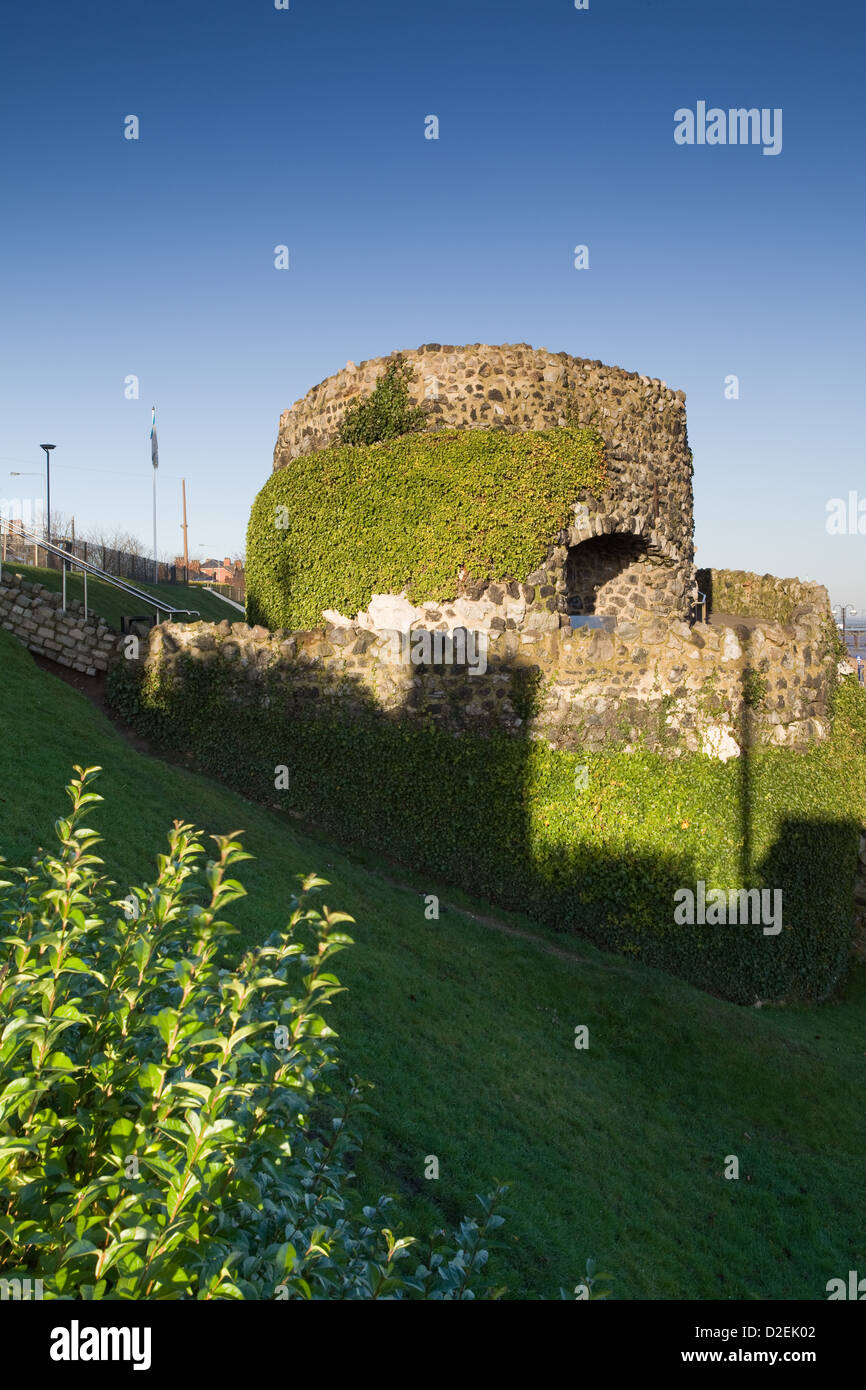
<point>154,458</point>
<point>155,561</point>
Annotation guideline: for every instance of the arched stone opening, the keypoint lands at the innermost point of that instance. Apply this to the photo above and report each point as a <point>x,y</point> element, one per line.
<point>604,575</point>
<point>615,566</point>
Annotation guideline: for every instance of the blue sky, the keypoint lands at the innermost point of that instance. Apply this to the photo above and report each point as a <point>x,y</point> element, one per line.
<point>260,127</point>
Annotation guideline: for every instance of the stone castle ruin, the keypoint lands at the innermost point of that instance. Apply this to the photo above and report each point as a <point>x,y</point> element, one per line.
<point>625,552</point>
<point>606,633</point>
<point>608,622</point>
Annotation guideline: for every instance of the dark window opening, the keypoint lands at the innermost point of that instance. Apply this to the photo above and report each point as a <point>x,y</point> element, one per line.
<point>599,574</point>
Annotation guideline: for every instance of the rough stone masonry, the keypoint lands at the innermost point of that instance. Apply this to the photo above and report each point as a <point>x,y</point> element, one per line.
<point>625,560</point>
<point>34,615</point>
<point>697,688</point>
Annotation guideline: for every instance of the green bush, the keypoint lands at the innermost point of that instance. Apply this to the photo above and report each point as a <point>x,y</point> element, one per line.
<point>334,527</point>
<point>385,414</point>
<point>514,821</point>
<point>168,1124</point>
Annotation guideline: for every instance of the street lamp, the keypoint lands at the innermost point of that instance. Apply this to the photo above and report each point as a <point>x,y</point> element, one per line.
<point>48,448</point>
<point>843,609</point>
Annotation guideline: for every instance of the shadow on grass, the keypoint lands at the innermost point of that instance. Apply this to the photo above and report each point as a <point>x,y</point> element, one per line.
<point>458,803</point>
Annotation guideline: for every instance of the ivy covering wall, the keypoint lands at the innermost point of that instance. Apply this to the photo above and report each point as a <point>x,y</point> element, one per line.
<point>590,844</point>
<point>336,526</point>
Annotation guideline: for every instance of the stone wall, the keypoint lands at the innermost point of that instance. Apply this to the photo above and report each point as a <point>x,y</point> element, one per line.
<point>517,387</point>
<point>757,595</point>
<point>34,615</point>
<point>706,688</point>
<point>701,689</point>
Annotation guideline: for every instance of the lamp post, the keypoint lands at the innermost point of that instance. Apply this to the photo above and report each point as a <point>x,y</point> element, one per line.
<point>843,609</point>
<point>854,649</point>
<point>48,448</point>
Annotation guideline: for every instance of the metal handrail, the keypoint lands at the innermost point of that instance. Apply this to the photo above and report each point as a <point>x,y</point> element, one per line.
<point>700,605</point>
<point>150,600</point>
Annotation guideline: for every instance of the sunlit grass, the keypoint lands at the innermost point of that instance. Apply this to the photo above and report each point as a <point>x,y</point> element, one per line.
<point>113,604</point>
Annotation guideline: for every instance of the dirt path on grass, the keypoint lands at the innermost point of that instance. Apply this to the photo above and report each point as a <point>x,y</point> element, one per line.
<point>504,928</point>
<point>96,690</point>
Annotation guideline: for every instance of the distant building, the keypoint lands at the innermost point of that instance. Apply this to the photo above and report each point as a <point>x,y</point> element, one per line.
<point>225,571</point>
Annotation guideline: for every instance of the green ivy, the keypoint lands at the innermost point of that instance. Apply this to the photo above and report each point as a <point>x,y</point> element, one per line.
<point>754,688</point>
<point>385,414</point>
<point>595,843</point>
<point>334,527</point>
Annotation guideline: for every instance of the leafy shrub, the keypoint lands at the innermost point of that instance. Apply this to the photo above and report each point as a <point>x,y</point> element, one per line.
<point>168,1127</point>
<point>409,513</point>
<point>385,414</point>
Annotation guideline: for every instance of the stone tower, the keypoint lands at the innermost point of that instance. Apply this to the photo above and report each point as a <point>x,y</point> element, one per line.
<point>630,549</point>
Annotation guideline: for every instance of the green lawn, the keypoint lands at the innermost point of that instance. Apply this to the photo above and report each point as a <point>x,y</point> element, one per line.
<point>468,1034</point>
<point>113,604</point>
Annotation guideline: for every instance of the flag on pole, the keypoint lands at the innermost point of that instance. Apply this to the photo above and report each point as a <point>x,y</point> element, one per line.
<point>154,449</point>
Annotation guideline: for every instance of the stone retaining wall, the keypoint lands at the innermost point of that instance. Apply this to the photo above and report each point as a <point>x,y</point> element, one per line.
<point>700,689</point>
<point>34,615</point>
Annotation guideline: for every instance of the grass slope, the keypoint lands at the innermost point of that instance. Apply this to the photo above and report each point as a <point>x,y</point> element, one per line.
<point>113,604</point>
<point>468,1034</point>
